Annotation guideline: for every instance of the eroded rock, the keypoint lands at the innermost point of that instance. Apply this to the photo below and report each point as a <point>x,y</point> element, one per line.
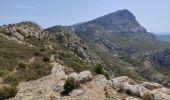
<point>74,75</point>
<point>151,85</point>
<point>85,76</point>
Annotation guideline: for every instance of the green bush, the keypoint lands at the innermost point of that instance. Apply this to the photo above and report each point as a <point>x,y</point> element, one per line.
<point>11,79</point>
<point>69,85</point>
<point>22,65</point>
<point>3,72</point>
<point>77,66</point>
<point>7,92</point>
<point>106,74</point>
<point>38,54</point>
<point>99,70</point>
<point>42,49</point>
<point>46,59</point>
<point>34,70</point>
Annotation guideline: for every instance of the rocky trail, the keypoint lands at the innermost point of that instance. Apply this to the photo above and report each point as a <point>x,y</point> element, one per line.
<point>99,88</point>
<point>41,89</point>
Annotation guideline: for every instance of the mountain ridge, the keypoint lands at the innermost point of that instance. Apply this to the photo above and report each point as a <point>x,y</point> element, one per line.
<point>114,45</point>
<point>118,37</point>
<point>117,22</point>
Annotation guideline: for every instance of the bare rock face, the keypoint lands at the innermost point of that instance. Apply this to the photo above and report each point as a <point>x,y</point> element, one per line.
<point>161,58</point>
<point>67,36</point>
<point>81,52</point>
<point>120,21</point>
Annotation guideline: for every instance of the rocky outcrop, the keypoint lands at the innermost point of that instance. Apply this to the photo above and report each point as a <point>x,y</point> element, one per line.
<point>120,21</point>
<point>85,76</point>
<point>67,36</point>
<point>151,85</point>
<point>82,77</point>
<point>161,94</point>
<point>161,58</point>
<point>73,75</point>
<point>145,90</point>
<point>20,30</point>
<point>106,43</point>
<point>129,86</point>
<point>99,88</point>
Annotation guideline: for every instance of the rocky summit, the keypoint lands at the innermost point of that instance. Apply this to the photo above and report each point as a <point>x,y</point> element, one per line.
<point>111,57</point>
<point>120,21</point>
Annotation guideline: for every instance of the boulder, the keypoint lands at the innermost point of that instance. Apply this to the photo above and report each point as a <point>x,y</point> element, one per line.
<point>161,94</point>
<point>74,75</point>
<point>81,53</point>
<point>151,85</point>
<point>127,85</point>
<point>166,82</point>
<point>76,92</point>
<point>85,76</point>
<point>60,37</point>
<point>100,78</point>
<point>117,82</point>
<point>135,90</point>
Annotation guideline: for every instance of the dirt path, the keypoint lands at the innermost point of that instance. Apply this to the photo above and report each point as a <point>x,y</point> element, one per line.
<point>41,89</point>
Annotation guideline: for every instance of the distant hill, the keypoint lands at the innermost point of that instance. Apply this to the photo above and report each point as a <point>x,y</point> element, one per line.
<point>162,33</point>
<point>165,38</point>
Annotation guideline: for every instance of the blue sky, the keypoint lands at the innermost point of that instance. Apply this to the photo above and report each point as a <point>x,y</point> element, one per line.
<point>154,15</point>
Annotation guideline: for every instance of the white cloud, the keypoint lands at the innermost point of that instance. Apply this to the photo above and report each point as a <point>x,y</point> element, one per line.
<point>25,7</point>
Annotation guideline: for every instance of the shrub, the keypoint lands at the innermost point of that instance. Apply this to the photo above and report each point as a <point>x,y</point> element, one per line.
<point>77,66</point>
<point>22,65</point>
<point>69,85</point>
<point>32,77</point>
<point>3,72</point>
<point>42,49</point>
<point>99,70</point>
<point>46,59</point>
<point>7,92</point>
<point>38,54</point>
<point>11,79</point>
<point>106,74</point>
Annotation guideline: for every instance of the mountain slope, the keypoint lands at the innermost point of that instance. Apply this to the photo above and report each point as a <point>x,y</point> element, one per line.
<point>27,51</point>
<point>165,38</point>
<point>120,21</point>
<point>123,45</point>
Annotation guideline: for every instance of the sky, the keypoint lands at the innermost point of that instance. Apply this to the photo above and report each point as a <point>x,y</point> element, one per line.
<point>154,15</point>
